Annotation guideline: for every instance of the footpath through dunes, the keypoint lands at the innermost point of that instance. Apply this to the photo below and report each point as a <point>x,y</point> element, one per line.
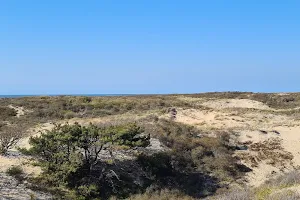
<point>270,139</point>
<point>267,138</point>
<point>20,110</point>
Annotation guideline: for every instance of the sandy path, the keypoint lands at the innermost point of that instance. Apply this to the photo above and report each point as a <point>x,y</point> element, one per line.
<point>20,110</point>
<point>254,126</point>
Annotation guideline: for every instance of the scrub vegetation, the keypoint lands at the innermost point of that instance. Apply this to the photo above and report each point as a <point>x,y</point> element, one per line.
<point>133,147</point>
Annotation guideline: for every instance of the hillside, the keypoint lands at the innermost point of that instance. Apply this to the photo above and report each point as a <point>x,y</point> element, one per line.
<point>222,144</point>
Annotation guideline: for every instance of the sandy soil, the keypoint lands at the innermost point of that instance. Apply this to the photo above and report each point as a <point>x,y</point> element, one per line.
<point>274,139</point>
<point>256,126</point>
<point>14,158</point>
<point>235,103</point>
<point>20,110</point>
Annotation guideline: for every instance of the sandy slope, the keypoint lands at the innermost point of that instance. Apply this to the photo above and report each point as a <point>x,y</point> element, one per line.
<point>275,138</point>
<point>20,110</point>
<point>235,103</point>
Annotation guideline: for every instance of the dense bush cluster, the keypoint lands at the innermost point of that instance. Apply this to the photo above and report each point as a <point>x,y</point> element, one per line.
<point>74,157</point>
<point>212,155</point>
<point>80,162</point>
<point>71,156</point>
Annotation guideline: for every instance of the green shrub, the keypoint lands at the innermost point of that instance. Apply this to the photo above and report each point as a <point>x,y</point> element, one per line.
<point>70,155</point>
<point>16,172</point>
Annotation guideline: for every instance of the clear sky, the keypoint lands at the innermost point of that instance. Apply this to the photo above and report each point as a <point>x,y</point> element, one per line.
<point>149,46</point>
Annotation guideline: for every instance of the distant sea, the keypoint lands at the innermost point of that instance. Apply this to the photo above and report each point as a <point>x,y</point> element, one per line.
<point>89,95</point>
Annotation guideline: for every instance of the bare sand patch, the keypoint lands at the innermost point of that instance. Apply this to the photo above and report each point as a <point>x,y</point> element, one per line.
<point>254,126</point>
<point>20,110</point>
<point>7,162</point>
<point>275,137</point>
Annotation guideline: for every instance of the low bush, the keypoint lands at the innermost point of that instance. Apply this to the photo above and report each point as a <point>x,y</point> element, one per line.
<point>16,172</point>
<point>70,156</point>
<point>236,194</point>
<point>211,155</point>
<point>161,195</point>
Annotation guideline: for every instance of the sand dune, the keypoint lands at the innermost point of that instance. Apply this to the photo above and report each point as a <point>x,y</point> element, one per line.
<point>255,127</point>
<point>273,138</point>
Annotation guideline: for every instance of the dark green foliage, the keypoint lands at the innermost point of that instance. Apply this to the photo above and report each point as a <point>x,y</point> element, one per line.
<point>70,155</point>
<point>16,172</point>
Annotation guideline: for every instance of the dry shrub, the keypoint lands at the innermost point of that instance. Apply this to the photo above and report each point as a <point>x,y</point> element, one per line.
<point>285,180</point>
<point>236,194</point>
<point>279,188</point>
<point>161,195</point>
<point>211,155</point>
<point>10,136</point>
<point>284,195</point>
<point>269,150</point>
<point>64,107</point>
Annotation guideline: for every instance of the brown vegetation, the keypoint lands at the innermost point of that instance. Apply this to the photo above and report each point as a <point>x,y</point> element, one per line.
<point>10,135</point>
<point>195,161</point>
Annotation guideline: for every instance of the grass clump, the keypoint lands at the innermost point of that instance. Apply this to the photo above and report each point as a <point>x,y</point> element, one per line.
<point>286,180</point>
<point>160,195</point>
<point>16,172</point>
<point>236,194</point>
<point>280,188</point>
<point>263,193</point>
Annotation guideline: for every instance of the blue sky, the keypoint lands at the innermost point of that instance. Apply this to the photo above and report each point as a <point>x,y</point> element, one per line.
<point>157,46</point>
